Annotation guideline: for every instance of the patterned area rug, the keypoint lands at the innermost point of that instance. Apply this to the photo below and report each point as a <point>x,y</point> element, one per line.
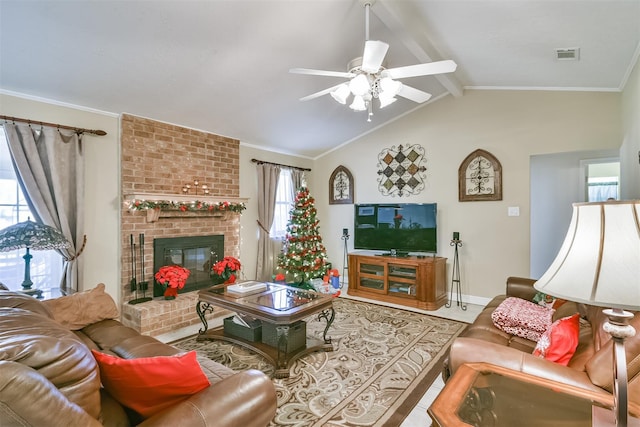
<point>384,361</point>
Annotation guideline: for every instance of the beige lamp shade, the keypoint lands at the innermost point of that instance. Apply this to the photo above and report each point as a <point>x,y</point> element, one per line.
<point>599,261</point>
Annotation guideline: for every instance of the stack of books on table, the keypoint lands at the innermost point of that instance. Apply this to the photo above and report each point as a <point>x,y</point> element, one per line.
<point>246,288</point>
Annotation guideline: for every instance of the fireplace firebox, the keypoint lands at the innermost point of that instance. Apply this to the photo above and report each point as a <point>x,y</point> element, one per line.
<point>197,253</point>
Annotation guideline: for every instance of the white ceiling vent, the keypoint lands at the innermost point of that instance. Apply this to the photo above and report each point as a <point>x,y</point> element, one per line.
<point>568,54</point>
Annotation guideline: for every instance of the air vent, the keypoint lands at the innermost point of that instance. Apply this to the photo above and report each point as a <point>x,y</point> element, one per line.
<point>568,54</point>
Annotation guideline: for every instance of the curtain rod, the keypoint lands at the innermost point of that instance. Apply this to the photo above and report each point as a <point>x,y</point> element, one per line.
<point>279,164</point>
<point>75,129</point>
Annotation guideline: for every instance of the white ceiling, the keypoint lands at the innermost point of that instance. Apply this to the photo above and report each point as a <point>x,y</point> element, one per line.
<point>222,66</point>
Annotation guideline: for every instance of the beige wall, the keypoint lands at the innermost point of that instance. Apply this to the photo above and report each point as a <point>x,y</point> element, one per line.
<point>512,126</point>
<point>102,200</point>
<point>630,150</point>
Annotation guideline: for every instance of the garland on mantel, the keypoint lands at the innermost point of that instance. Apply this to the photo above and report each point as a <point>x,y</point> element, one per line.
<point>193,206</point>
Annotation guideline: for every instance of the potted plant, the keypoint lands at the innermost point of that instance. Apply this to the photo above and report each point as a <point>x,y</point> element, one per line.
<point>173,277</point>
<point>226,269</point>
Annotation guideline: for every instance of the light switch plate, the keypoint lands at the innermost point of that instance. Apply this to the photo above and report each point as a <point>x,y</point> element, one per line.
<point>513,211</point>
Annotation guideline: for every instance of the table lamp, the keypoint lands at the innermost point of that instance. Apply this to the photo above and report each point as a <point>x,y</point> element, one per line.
<point>599,264</point>
<point>31,235</point>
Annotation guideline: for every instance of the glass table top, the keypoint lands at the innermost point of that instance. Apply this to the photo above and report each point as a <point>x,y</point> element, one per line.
<point>282,298</point>
<point>274,296</point>
<point>496,400</point>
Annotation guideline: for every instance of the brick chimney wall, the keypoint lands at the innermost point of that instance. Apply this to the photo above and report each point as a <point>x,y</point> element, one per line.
<point>161,158</point>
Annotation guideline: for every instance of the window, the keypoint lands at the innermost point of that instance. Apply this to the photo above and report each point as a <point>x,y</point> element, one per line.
<point>46,266</point>
<point>603,188</point>
<point>603,181</point>
<point>284,202</point>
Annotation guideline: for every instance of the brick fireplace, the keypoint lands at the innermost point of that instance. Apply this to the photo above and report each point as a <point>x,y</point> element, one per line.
<point>160,158</point>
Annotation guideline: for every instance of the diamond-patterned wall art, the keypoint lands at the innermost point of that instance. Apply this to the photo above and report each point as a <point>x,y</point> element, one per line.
<point>400,170</point>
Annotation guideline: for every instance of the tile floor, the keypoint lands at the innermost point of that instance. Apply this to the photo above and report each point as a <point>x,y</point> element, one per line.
<point>419,417</point>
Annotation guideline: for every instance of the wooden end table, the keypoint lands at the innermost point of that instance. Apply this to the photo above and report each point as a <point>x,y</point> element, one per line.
<point>279,305</point>
<point>484,395</point>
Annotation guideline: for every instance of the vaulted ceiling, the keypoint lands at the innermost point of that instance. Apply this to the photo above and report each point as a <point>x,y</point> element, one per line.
<point>222,66</point>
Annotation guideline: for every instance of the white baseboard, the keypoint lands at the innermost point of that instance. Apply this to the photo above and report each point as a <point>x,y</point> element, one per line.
<point>467,299</point>
<point>471,299</point>
<point>188,331</point>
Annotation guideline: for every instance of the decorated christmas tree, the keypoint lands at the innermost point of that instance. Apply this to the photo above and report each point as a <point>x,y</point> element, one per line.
<point>303,257</point>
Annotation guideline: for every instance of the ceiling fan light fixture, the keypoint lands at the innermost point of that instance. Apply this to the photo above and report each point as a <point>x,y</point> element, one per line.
<point>384,101</point>
<point>369,78</point>
<point>341,93</point>
<point>359,85</point>
<point>358,104</point>
<point>389,87</point>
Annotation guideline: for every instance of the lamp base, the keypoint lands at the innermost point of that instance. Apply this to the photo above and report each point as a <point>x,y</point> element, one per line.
<point>33,292</point>
<point>619,328</point>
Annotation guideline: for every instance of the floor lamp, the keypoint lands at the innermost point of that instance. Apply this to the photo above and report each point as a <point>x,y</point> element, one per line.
<point>599,264</point>
<point>31,235</point>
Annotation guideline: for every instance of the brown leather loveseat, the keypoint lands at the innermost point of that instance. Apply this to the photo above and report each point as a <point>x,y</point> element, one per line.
<point>591,366</point>
<point>49,377</point>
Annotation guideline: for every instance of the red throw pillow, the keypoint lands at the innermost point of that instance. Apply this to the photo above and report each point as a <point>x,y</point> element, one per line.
<point>559,342</point>
<point>150,384</point>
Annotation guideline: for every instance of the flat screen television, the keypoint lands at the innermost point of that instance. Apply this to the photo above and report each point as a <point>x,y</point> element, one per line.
<point>399,228</point>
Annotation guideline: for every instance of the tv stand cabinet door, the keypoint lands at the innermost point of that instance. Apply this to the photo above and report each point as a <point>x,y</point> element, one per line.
<point>433,283</point>
<point>371,274</point>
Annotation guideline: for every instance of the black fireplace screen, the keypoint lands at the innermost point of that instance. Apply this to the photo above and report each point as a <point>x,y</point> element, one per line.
<point>197,253</point>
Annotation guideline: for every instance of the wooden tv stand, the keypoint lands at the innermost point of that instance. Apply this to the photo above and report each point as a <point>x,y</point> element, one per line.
<point>419,282</point>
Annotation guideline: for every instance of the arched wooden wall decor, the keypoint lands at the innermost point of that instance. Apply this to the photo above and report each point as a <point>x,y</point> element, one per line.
<point>341,186</point>
<point>480,177</point>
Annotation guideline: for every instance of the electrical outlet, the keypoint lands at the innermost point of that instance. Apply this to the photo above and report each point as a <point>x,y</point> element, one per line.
<point>513,211</point>
<point>345,231</point>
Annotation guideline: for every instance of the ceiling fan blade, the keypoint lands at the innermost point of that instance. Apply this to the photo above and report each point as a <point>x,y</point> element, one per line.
<point>312,72</point>
<point>414,94</point>
<point>374,53</point>
<point>319,94</point>
<point>426,69</point>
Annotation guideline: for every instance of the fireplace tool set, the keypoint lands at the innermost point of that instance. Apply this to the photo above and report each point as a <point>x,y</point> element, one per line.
<point>142,285</point>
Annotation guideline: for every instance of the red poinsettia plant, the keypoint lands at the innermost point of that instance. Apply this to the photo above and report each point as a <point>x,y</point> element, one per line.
<point>227,269</point>
<point>173,277</point>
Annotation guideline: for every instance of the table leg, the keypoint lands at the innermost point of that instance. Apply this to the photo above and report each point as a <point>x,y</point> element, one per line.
<point>327,315</point>
<point>282,337</point>
<point>202,308</point>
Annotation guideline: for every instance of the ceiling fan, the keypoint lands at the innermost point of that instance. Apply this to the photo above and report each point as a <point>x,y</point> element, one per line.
<point>369,79</point>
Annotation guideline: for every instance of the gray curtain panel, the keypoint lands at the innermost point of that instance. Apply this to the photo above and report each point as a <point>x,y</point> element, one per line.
<point>268,176</point>
<point>50,169</point>
<point>297,176</point>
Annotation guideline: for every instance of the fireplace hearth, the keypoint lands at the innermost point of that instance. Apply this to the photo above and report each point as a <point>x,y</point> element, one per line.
<point>197,253</point>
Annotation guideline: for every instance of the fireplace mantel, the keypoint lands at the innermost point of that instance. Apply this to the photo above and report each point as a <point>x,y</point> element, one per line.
<point>172,205</point>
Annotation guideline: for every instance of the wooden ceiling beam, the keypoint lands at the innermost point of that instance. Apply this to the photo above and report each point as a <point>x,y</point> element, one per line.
<point>400,19</point>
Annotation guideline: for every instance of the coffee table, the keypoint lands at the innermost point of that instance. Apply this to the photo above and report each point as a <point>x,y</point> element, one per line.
<point>279,305</point>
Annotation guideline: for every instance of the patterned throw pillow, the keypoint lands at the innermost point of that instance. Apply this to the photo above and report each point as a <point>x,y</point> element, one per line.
<point>523,318</point>
<point>559,342</point>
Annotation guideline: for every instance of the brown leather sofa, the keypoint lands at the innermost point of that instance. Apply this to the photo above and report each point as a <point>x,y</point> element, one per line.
<point>591,367</point>
<point>48,376</point>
